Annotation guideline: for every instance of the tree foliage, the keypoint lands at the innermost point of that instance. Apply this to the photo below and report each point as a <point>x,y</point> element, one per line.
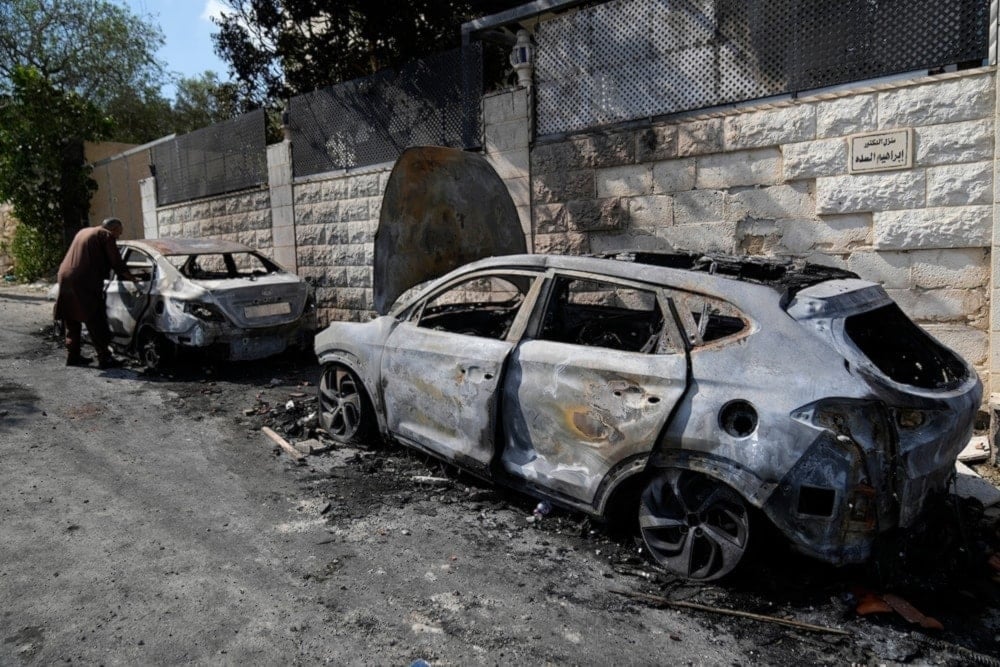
<point>279,48</point>
<point>93,48</point>
<point>202,101</point>
<point>42,130</point>
<point>74,71</point>
<point>106,55</point>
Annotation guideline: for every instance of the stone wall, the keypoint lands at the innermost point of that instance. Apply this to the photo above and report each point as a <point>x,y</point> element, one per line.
<point>506,139</point>
<point>774,180</point>
<point>244,217</point>
<point>335,221</point>
<point>761,179</point>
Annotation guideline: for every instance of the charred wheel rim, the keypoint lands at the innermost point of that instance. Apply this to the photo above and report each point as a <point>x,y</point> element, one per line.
<point>693,525</point>
<point>151,351</point>
<point>340,402</point>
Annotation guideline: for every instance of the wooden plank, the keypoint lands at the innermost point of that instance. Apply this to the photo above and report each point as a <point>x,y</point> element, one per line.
<point>284,444</point>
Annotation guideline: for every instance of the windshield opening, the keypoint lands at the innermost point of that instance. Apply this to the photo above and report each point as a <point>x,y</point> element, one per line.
<point>220,266</point>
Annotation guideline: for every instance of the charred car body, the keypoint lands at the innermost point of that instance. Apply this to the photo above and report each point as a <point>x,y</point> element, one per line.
<point>719,390</point>
<point>215,296</point>
<point>721,386</point>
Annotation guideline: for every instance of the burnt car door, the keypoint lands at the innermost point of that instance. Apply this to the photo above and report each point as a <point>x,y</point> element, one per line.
<point>125,300</point>
<point>442,366</point>
<point>593,386</point>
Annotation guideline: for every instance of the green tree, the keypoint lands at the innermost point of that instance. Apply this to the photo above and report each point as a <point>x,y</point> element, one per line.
<point>93,48</point>
<point>96,49</point>
<point>42,130</point>
<point>140,115</point>
<point>279,48</point>
<point>202,101</point>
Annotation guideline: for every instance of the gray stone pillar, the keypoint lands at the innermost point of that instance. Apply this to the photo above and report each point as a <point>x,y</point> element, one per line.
<point>147,197</point>
<point>506,139</point>
<point>279,179</point>
<point>993,400</point>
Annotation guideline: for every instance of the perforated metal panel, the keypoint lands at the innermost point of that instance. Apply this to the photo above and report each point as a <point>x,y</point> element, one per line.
<point>631,59</point>
<point>224,157</point>
<point>434,101</point>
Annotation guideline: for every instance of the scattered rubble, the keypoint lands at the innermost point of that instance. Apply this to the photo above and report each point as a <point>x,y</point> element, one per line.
<point>976,451</point>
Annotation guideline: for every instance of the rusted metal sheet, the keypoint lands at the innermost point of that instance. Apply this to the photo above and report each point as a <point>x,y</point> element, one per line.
<point>442,208</point>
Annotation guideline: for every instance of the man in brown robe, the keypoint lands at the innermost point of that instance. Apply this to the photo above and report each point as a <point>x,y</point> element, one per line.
<point>88,263</point>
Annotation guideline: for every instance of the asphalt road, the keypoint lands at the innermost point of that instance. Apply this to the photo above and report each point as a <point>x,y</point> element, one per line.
<point>146,520</point>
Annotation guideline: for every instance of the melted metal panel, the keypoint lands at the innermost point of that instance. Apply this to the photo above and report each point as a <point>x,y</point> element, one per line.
<point>440,391</point>
<point>572,413</point>
<point>442,208</point>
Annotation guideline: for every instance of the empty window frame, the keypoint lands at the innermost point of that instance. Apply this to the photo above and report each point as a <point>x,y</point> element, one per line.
<point>596,313</point>
<point>483,306</point>
<point>707,319</point>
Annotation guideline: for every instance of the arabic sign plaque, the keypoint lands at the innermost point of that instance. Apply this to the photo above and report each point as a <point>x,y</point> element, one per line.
<point>881,151</point>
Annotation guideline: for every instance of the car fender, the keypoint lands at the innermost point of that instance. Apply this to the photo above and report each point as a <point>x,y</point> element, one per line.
<point>742,480</point>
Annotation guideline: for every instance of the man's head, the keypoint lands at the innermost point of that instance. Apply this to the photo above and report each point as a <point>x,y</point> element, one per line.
<point>113,225</point>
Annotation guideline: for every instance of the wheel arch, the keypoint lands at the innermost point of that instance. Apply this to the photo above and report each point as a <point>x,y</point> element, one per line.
<point>743,481</point>
<point>356,365</point>
<point>627,474</point>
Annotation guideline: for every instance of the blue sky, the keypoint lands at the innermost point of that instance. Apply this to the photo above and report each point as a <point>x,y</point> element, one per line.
<point>188,32</point>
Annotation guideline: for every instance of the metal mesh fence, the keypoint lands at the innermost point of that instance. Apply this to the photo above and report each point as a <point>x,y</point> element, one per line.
<point>631,59</point>
<point>224,157</point>
<point>434,101</point>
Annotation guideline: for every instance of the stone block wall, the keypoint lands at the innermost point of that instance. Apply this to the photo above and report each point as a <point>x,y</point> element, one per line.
<point>773,180</point>
<point>506,136</point>
<point>244,217</point>
<point>336,217</point>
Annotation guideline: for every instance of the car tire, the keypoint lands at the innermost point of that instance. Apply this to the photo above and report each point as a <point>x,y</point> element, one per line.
<point>693,525</point>
<point>153,351</point>
<point>345,411</point>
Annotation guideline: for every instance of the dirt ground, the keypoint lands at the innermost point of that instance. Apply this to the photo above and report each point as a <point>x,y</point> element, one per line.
<point>146,519</point>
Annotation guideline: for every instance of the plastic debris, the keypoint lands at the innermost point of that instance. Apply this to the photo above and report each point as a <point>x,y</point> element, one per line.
<point>870,602</point>
<point>543,509</point>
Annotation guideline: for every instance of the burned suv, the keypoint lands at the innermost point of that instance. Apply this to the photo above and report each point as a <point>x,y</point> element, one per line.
<point>721,391</point>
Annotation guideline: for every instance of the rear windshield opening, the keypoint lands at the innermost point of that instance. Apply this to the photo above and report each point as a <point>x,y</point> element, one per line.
<point>902,350</point>
<point>221,266</point>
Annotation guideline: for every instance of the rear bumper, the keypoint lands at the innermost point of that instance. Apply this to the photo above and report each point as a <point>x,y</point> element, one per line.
<point>228,343</point>
<point>864,474</point>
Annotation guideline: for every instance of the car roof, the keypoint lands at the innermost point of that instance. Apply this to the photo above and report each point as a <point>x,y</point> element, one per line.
<point>690,271</point>
<point>180,246</point>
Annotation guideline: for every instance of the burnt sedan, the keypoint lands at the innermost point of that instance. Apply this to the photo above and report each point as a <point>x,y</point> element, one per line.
<point>721,392</point>
<point>215,296</point>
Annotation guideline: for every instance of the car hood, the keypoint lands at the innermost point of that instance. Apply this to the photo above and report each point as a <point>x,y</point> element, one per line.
<point>442,208</point>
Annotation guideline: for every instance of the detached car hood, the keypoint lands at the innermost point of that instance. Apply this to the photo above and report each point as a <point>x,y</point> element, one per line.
<point>442,208</point>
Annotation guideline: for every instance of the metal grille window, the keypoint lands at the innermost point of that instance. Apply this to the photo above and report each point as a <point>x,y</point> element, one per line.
<point>434,101</point>
<point>630,59</point>
<point>224,157</point>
